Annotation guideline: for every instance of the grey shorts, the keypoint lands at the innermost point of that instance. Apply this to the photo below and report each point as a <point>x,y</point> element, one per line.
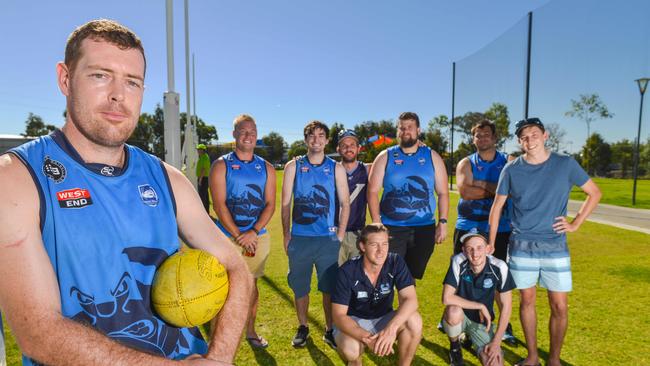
<point>373,326</point>
<point>305,252</point>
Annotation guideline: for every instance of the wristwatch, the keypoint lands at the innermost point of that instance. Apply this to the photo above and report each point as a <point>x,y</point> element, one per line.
<point>442,221</point>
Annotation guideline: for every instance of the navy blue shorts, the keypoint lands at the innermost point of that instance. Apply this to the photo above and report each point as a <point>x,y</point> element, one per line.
<point>305,252</point>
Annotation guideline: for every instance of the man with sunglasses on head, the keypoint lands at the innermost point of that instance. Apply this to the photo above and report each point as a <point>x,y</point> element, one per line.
<point>538,183</point>
<point>357,176</point>
<point>362,302</point>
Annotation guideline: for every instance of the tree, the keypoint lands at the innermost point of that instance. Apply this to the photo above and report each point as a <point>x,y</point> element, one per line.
<point>596,155</point>
<point>367,129</point>
<point>588,108</point>
<point>497,113</point>
<point>35,126</point>
<point>555,136</point>
<point>275,146</point>
<point>297,148</point>
<point>623,154</point>
<point>371,151</point>
<point>334,137</point>
<point>435,139</point>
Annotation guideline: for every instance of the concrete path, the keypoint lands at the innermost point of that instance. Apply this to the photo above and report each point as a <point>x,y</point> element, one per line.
<point>636,219</point>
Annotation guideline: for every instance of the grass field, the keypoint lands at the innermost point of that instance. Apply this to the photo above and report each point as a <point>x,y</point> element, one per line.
<point>609,321</point>
<point>619,192</point>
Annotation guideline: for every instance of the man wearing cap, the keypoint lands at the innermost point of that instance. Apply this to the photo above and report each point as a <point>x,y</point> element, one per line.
<point>362,302</point>
<point>538,183</point>
<point>476,178</point>
<point>410,174</point>
<point>472,281</point>
<point>357,176</point>
<point>315,182</point>
<point>242,185</point>
<point>202,172</point>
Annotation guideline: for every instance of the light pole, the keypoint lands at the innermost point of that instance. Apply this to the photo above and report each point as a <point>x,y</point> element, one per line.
<point>643,84</point>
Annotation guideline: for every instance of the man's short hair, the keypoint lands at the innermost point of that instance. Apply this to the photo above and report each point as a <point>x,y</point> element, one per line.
<point>484,123</point>
<point>374,228</point>
<point>242,118</point>
<point>313,125</point>
<point>409,115</point>
<point>101,30</point>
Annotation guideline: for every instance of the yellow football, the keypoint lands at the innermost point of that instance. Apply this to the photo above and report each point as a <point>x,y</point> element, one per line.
<point>189,288</point>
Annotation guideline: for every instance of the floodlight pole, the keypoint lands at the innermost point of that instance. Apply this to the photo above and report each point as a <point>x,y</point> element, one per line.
<point>530,37</point>
<point>453,105</point>
<point>643,84</point>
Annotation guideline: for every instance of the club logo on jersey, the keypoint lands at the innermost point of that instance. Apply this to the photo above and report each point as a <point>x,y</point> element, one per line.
<point>54,170</point>
<point>487,283</point>
<point>148,195</point>
<point>235,167</point>
<point>107,171</point>
<point>74,198</point>
<point>384,288</point>
<point>399,162</point>
<point>422,161</point>
<point>258,168</point>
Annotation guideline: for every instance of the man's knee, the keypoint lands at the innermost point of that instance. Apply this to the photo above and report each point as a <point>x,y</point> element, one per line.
<point>414,324</point>
<point>349,348</point>
<point>559,305</point>
<point>454,314</point>
<point>528,297</point>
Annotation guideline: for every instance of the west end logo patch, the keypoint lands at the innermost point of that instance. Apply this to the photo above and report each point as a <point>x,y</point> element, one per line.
<point>74,198</point>
<point>235,167</point>
<point>54,170</point>
<point>487,283</point>
<point>148,195</point>
<point>362,295</point>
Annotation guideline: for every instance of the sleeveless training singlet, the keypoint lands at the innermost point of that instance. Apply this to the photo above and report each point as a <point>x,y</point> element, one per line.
<point>475,213</point>
<point>245,184</point>
<point>314,193</point>
<point>357,185</point>
<point>106,230</point>
<point>409,182</point>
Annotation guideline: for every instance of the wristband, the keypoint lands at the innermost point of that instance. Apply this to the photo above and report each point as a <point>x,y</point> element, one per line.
<point>442,221</point>
<point>255,230</point>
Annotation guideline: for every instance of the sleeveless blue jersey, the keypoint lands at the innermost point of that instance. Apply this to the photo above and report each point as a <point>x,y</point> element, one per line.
<point>106,230</point>
<point>409,182</point>
<point>314,193</point>
<point>475,213</point>
<point>245,184</point>
<point>357,185</point>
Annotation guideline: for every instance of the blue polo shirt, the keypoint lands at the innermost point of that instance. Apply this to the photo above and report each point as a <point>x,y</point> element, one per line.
<point>354,289</point>
<point>479,287</point>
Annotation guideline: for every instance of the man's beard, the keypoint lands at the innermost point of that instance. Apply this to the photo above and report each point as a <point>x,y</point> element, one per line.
<point>410,142</point>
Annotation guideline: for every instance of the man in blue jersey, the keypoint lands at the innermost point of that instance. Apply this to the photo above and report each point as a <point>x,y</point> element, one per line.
<point>538,183</point>
<point>473,280</point>
<point>363,302</point>
<point>410,173</point>
<point>246,206</point>
<point>476,178</point>
<point>87,220</point>
<point>310,236</point>
<point>357,177</point>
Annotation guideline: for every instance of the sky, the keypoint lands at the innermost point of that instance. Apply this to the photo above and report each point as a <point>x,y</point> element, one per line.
<point>289,62</point>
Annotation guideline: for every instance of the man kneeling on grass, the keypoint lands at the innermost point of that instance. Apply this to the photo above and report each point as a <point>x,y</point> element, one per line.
<point>362,302</point>
<point>470,285</point>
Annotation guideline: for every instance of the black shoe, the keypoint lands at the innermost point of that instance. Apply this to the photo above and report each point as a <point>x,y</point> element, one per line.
<point>508,337</point>
<point>300,339</point>
<point>441,328</point>
<point>328,337</point>
<point>456,354</point>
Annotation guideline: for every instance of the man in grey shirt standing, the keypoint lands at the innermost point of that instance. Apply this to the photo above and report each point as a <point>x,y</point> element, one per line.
<point>539,183</point>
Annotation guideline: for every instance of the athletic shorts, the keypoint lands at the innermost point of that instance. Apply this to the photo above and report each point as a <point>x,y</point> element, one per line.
<point>305,252</point>
<point>548,264</point>
<point>348,247</point>
<point>415,244</point>
<point>477,333</point>
<point>500,245</point>
<point>257,263</point>
<point>373,326</point>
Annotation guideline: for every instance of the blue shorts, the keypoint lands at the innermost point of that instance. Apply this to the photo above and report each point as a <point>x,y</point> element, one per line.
<point>306,251</point>
<point>536,261</point>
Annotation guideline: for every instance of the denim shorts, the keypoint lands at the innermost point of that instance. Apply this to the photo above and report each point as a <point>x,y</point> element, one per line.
<point>304,253</point>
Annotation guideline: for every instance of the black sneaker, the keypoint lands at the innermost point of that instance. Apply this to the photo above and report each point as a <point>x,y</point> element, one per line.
<point>300,339</point>
<point>441,328</point>
<point>456,354</point>
<point>328,337</point>
<point>508,337</point>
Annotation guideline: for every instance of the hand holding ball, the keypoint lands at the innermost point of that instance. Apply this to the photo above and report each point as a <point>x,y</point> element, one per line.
<point>189,288</point>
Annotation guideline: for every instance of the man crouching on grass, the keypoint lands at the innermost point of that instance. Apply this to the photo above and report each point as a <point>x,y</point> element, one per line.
<point>470,285</point>
<point>362,302</point>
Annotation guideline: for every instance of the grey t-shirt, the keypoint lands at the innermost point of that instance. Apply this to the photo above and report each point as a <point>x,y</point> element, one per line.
<point>539,194</point>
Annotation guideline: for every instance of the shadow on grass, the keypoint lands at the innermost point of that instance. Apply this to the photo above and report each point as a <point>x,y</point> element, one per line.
<point>263,357</point>
<point>633,273</point>
<point>318,356</point>
<point>289,299</point>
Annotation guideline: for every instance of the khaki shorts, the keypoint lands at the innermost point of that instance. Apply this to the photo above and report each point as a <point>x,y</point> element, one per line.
<point>348,247</point>
<point>257,263</point>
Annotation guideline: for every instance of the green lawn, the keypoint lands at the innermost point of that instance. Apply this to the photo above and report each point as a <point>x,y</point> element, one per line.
<point>609,321</point>
<point>619,192</point>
